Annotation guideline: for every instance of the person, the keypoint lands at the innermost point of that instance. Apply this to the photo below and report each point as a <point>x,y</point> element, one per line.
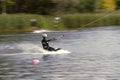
<point>45,43</point>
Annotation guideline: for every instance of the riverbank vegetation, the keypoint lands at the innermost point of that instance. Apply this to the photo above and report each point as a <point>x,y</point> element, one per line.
<point>53,7</point>
<point>29,22</point>
<point>28,15</point>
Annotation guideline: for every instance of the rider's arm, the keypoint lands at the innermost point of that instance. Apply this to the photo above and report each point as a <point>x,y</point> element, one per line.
<point>51,40</point>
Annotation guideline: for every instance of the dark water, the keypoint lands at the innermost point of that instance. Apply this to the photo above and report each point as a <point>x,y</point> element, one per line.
<point>95,55</point>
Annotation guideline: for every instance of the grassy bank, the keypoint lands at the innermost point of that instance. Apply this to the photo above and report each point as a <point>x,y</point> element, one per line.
<point>25,22</point>
<point>90,20</point>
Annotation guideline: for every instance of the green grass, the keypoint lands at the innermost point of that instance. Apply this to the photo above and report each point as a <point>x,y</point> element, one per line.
<point>11,23</point>
<point>90,20</point>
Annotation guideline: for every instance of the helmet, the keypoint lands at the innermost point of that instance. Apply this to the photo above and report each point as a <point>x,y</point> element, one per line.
<point>44,35</point>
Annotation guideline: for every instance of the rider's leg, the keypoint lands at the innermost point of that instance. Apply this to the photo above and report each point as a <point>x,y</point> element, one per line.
<point>51,49</point>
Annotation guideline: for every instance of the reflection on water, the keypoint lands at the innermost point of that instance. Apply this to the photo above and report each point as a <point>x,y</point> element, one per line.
<point>95,56</point>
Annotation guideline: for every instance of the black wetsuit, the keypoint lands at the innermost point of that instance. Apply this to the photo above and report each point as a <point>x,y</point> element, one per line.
<point>46,46</point>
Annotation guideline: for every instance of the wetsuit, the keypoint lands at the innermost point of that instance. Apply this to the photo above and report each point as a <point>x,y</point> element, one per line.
<point>46,46</point>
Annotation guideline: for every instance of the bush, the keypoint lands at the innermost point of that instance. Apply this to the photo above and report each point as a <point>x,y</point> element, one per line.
<point>22,22</point>
<point>90,20</point>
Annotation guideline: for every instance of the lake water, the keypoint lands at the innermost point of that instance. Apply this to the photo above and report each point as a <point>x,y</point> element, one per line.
<point>95,55</point>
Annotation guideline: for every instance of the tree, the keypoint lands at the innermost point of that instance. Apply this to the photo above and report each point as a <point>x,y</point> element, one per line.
<point>10,6</point>
<point>118,4</point>
<point>6,6</point>
<point>109,5</point>
<point>35,6</point>
<point>86,5</point>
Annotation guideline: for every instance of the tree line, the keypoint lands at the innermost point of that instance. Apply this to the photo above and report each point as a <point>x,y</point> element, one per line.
<point>51,7</point>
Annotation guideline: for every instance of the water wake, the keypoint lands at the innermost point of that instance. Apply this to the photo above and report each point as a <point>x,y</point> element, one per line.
<point>34,49</point>
<point>40,31</point>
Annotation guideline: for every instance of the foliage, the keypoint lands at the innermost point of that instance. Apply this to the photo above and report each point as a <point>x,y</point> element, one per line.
<point>118,4</point>
<point>90,20</point>
<point>55,7</point>
<point>109,5</point>
<point>86,5</point>
<point>35,6</point>
<point>51,7</point>
<point>22,22</point>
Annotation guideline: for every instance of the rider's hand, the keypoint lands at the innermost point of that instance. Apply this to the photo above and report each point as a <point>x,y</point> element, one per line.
<point>54,39</point>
